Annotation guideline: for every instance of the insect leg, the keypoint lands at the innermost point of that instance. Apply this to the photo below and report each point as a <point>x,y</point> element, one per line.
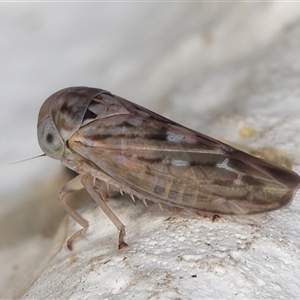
<point>73,186</point>
<point>89,185</point>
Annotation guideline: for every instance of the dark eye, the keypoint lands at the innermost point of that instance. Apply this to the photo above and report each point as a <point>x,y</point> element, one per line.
<point>50,140</point>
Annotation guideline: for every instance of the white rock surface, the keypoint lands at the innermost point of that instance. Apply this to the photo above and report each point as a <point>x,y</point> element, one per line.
<point>216,67</point>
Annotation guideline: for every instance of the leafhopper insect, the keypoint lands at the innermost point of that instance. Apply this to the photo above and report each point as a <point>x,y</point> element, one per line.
<point>113,143</point>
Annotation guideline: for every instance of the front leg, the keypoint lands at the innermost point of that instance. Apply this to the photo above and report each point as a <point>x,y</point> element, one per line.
<point>73,186</point>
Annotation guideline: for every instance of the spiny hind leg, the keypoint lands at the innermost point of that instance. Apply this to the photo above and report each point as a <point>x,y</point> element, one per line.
<point>99,197</point>
<point>71,187</point>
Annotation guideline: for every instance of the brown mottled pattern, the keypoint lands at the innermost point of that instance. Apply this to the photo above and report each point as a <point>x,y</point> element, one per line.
<point>140,155</point>
<point>164,161</point>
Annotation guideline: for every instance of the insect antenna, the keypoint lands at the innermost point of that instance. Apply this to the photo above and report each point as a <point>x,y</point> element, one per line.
<point>16,162</point>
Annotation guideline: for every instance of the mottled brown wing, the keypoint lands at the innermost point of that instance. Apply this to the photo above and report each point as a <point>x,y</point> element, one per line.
<point>171,164</point>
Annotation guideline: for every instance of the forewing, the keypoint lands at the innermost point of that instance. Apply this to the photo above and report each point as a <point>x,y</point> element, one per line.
<point>169,163</point>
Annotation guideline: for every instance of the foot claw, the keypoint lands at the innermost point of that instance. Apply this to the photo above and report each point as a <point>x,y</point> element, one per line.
<point>215,218</point>
<point>122,246</point>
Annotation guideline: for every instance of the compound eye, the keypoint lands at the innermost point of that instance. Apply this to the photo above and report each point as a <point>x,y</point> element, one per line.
<point>50,140</point>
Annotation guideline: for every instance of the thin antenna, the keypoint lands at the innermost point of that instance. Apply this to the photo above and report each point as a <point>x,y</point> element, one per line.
<point>28,159</point>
